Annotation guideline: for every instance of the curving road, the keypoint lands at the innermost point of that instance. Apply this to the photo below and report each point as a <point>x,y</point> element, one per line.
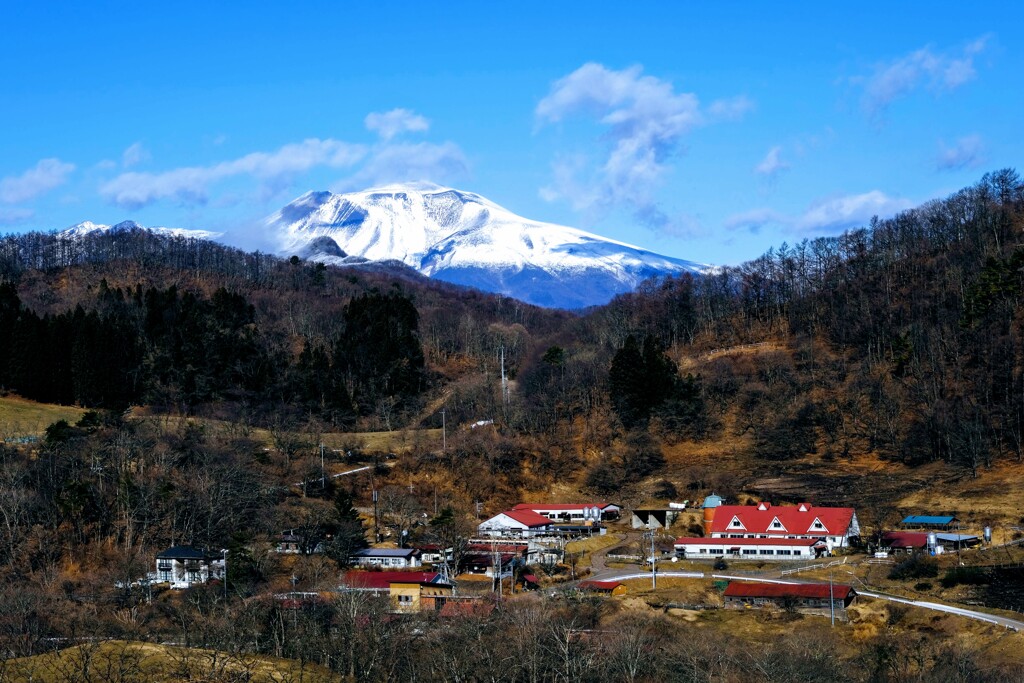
<point>1006,622</point>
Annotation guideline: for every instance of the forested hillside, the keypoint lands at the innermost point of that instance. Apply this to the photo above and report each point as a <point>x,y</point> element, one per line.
<point>223,386</point>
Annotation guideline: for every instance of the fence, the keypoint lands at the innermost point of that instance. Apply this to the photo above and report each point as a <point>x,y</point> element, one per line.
<point>811,567</point>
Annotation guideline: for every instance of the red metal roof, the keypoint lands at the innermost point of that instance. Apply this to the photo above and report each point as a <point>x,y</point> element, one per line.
<point>382,580</point>
<point>905,539</point>
<point>559,506</point>
<point>528,517</point>
<point>599,585</point>
<point>796,519</point>
<point>737,589</point>
<point>785,542</point>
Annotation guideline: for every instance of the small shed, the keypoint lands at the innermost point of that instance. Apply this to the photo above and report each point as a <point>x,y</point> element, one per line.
<point>944,522</point>
<point>654,518</point>
<point>604,587</point>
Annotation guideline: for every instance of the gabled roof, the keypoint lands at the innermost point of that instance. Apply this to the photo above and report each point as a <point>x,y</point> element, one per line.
<point>528,518</point>
<point>386,552</point>
<point>905,539</point>
<point>561,506</point>
<point>937,520</point>
<point>383,580</point>
<point>183,552</point>
<point>797,519</point>
<point>599,585</point>
<point>738,589</point>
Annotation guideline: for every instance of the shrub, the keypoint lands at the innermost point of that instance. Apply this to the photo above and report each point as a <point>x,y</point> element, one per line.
<point>917,566</point>
<point>971,576</point>
<point>721,564</point>
<point>922,586</point>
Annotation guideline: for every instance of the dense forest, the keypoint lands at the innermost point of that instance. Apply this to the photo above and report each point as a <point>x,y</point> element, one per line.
<point>902,341</point>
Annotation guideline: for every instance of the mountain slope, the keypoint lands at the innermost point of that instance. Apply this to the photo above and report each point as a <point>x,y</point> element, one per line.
<point>89,228</point>
<point>463,238</point>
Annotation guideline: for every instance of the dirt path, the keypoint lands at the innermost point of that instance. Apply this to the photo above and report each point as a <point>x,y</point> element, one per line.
<point>599,558</point>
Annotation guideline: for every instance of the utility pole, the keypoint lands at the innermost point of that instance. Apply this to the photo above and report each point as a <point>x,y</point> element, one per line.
<point>376,525</point>
<point>323,475</point>
<point>444,433</point>
<point>504,383</point>
<point>831,599</point>
<point>654,564</point>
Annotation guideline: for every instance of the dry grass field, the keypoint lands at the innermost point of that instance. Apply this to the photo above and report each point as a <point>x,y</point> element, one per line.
<point>134,661</point>
<point>21,418</point>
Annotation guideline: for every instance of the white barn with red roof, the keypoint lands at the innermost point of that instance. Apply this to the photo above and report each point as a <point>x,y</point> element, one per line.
<point>835,526</point>
<point>573,512</point>
<point>780,549</point>
<point>516,523</point>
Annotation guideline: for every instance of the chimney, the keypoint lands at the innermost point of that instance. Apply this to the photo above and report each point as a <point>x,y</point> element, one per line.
<point>763,506</point>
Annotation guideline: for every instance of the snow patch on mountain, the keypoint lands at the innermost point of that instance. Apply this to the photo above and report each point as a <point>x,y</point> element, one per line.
<point>88,228</point>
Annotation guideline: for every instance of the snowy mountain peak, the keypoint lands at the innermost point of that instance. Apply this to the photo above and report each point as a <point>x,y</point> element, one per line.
<point>88,228</point>
<point>462,237</point>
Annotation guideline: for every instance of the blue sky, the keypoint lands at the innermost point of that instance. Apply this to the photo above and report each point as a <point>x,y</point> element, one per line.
<point>707,131</point>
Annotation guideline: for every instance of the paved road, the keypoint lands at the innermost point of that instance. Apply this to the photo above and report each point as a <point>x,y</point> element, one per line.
<point>1015,624</point>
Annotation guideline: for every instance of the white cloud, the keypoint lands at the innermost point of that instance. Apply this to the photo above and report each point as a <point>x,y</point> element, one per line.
<point>41,178</point>
<point>396,163</point>
<point>192,184</point>
<point>831,215</point>
<point>924,67</point>
<point>731,109</point>
<point>388,124</point>
<point>13,215</point>
<point>754,220</point>
<point>849,211</point>
<point>134,155</point>
<point>967,152</point>
<point>772,164</point>
<point>646,121</point>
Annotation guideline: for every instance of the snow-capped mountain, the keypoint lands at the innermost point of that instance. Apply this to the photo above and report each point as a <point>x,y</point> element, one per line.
<point>88,227</point>
<point>463,238</point>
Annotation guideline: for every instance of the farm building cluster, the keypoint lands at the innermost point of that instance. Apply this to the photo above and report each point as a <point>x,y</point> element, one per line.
<point>511,545</point>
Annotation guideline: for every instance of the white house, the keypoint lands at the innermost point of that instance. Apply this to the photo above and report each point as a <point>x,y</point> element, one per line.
<point>516,523</point>
<point>573,512</point>
<point>395,558</point>
<point>776,549</point>
<point>183,566</point>
<point>835,526</point>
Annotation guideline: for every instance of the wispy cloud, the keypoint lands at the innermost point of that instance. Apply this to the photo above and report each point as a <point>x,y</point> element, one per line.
<point>772,164</point>
<point>396,163</point>
<point>134,155</point>
<point>388,124</point>
<point>826,216</point>
<point>926,67</point>
<point>836,214</point>
<point>646,120</point>
<point>41,178</point>
<point>192,184</point>
<point>13,215</point>
<point>967,152</point>
<point>755,219</point>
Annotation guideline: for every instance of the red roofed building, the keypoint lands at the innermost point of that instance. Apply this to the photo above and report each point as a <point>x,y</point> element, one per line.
<point>409,591</point>
<point>573,512</point>
<point>905,540</point>
<point>749,548</point>
<point>835,526</point>
<point>806,597</point>
<point>523,523</point>
<point>604,587</point>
